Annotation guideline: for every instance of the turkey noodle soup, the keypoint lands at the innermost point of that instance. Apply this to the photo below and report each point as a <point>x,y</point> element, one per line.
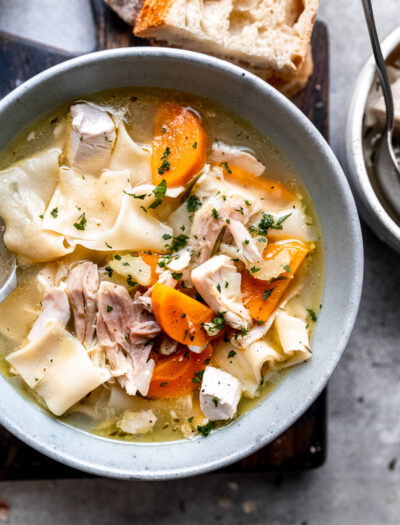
<point>169,265</point>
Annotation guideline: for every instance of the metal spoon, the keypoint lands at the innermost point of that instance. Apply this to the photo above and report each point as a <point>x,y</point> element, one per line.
<point>387,170</point>
<point>8,267</point>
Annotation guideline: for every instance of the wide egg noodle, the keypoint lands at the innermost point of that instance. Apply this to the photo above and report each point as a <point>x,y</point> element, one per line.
<point>58,368</point>
<point>26,189</point>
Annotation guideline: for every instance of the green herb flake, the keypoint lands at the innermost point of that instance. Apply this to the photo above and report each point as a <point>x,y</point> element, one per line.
<point>130,281</point>
<point>186,354</point>
<point>141,197</point>
<point>214,213</point>
<point>206,429</point>
<point>194,146</point>
<point>286,268</point>
<point>54,213</point>
<point>193,203</point>
<point>225,164</point>
<point>109,308</point>
<point>231,354</point>
<point>215,400</point>
<point>117,257</point>
<point>190,419</point>
<point>312,315</point>
<point>165,165</point>
<point>198,376</point>
<point>81,224</point>
<point>178,242</point>
<point>266,294</point>
<point>206,361</point>
<point>219,287</point>
<point>176,275</point>
<point>109,270</point>
<point>164,383</point>
<point>159,191</point>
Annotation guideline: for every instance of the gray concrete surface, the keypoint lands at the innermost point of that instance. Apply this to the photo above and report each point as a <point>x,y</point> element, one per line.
<point>360,483</point>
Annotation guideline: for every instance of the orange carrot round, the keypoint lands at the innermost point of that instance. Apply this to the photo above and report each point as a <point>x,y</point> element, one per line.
<point>261,298</point>
<point>180,316</point>
<point>180,373</point>
<point>250,181</point>
<point>179,146</point>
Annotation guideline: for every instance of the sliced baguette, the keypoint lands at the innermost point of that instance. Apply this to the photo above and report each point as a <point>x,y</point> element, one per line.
<point>270,37</point>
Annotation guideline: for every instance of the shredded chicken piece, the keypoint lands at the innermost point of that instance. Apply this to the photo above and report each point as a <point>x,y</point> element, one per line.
<point>125,329</point>
<point>82,285</point>
<point>208,222</point>
<point>218,282</point>
<point>55,307</point>
<point>245,243</point>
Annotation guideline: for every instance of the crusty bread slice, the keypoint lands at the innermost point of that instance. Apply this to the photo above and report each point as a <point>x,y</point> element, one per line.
<point>271,36</point>
<point>128,10</point>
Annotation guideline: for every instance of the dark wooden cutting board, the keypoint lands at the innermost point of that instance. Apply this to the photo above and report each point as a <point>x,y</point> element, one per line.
<point>303,446</point>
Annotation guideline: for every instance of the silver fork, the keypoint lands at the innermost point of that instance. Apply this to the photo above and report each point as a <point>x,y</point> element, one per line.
<point>387,170</point>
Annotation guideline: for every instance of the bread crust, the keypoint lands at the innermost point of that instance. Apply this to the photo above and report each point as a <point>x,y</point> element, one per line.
<point>152,16</point>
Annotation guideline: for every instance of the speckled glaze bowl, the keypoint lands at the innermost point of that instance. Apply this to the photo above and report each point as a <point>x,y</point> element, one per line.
<point>300,142</point>
<point>371,208</point>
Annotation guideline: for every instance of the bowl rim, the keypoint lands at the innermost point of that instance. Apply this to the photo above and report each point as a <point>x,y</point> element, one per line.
<point>371,208</point>
<point>55,441</point>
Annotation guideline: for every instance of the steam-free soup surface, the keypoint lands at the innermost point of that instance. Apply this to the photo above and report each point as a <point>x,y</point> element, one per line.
<point>169,265</point>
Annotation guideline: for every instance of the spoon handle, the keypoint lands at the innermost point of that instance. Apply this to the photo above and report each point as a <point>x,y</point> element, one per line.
<point>380,64</point>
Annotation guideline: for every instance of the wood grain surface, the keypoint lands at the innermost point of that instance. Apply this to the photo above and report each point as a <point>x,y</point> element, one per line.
<point>303,446</point>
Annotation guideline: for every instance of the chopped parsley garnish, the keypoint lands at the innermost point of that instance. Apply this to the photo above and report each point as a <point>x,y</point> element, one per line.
<point>226,284</point>
<point>54,213</point>
<point>232,353</point>
<point>311,313</point>
<point>109,271</point>
<point>183,315</point>
<point>207,361</point>
<point>219,287</point>
<point>130,281</point>
<point>165,165</point>
<point>215,213</point>
<point>41,216</point>
<point>225,164</point>
<point>198,376</point>
<point>286,268</point>
<point>215,400</point>
<point>266,294</point>
<point>268,223</point>
<point>164,383</point>
<point>109,308</point>
<point>81,224</point>
<point>248,203</point>
<point>206,429</point>
<point>177,276</point>
<point>260,322</point>
<point>163,130</point>
<point>214,326</point>
<point>194,145</point>
<point>166,236</point>
<point>193,203</point>
<point>144,209</point>
<point>190,419</point>
<point>240,210</point>
<point>125,263</point>
<point>117,257</point>
<point>186,354</point>
<point>178,242</point>
<point>141,197</point>
<point>254,269</point>
<point>228,221</point>
<point>243,331</point>
<point>246,242</point>
<point>108,245</point>
<point>159,191</point>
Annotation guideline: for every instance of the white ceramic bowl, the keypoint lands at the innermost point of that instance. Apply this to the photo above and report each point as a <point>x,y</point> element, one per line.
<point>368,202</point>
<point>300,142</point>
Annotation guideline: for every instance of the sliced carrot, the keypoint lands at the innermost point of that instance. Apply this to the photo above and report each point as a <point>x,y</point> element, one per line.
<point>179,146</point>
<point>180,316</point>
<point>262,297</point>
<point>151,259</point>
<point>179,373</point>
<point>249,181</point>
